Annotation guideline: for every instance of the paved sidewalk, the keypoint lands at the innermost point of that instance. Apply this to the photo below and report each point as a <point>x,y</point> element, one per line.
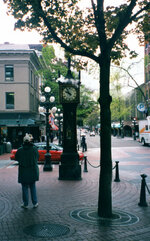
<point>68,209</point>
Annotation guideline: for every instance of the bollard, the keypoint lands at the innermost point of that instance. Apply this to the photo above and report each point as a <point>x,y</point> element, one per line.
<point>85,164</point>
<point>117,173</point>
<point>143,202</point>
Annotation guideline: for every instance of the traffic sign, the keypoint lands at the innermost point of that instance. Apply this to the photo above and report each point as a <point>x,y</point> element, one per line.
<point>141,107</point>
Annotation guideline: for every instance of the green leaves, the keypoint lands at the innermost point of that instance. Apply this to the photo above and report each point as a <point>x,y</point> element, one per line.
<point>82,31</point>
<point>87,107</point>
<point>51,65</point>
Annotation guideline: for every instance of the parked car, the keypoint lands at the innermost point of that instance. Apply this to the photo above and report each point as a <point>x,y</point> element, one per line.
<point>55,151</point>
<point>92,133</point>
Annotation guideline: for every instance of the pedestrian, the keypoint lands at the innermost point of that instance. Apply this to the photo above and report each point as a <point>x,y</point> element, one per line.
<point>83,143</point>
<point>51,137</point>
<point>28,171</point>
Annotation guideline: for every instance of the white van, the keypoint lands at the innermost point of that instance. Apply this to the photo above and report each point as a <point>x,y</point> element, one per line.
<point>144,131</point>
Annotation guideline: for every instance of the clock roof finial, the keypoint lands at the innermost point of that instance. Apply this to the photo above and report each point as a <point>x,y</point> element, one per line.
<point>69,74</point>
<point>69,77</point>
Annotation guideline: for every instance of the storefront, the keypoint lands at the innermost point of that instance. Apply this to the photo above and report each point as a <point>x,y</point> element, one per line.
<point>14,129</point>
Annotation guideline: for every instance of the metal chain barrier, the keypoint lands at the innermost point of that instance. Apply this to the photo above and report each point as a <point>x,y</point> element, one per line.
<point>85,164</point>
<point>92,165</point>
<point>115,167</point>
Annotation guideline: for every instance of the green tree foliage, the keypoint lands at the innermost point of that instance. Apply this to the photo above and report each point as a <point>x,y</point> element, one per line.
<point>87,105</point>
<point>97,32</point>
<point>93,119</point>
<point>119,111</point>
<point>139,89</point>
<point>51,67</point>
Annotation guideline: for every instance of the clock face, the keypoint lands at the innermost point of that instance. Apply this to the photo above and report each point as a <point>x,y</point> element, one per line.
<point>69,93</point>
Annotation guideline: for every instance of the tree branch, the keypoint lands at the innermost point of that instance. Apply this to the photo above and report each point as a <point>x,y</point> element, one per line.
<point>138,86</point>
<point>100,22</point>
<point>124,21</point>
<point>140,11</point>
<point>83,53</point>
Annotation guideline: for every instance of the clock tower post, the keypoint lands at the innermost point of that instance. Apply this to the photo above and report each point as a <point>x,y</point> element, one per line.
<point>69,92</point>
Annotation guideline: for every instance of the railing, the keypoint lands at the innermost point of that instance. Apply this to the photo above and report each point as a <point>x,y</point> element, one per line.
<point>116,167</point>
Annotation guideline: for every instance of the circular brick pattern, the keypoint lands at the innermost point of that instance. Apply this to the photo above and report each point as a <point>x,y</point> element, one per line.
<point>89,215</point>
<point>5,207</point>
<point>46,230</point>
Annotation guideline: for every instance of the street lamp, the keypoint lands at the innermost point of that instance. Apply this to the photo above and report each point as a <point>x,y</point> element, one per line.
<point>134,122</point>
<point>46,102</point>
<point>122,129</point>
<point>59,117</point>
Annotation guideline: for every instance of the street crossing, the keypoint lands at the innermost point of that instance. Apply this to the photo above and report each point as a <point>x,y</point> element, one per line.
<point>10,165</point>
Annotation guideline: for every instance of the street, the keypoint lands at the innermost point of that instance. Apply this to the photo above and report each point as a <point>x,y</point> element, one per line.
<point>133,157</point>
<point>68,204</point>
<point>94,141</point>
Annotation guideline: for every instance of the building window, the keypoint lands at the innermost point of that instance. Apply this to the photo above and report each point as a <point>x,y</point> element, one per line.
<point>10,100</point>
<point>31,77</point>
<point>9,72</point>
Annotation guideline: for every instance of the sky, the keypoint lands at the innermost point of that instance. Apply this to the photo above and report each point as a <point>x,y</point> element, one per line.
<point>7,30</point>
<point>18,37</point>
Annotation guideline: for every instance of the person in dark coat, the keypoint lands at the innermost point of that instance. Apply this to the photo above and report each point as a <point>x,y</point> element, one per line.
<point>28,171</point>
<point>83,143</point>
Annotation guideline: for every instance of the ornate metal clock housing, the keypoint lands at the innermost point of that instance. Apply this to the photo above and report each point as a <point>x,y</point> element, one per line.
<point>70,168</point>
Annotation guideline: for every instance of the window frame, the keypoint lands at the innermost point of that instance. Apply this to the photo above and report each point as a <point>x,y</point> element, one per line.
<point>9,106</point>
<point>9,68</point>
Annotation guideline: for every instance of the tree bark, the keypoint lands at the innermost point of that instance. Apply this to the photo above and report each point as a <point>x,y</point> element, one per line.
<point>105,181</point>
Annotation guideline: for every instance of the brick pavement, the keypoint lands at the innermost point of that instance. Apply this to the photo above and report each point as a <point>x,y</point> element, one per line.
<point>73,204</point>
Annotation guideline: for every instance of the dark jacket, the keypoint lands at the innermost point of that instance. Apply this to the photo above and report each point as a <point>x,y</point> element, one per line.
<point>27,157</point>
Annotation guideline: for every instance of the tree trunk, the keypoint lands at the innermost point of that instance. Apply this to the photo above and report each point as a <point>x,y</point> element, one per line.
<point>105,181</point>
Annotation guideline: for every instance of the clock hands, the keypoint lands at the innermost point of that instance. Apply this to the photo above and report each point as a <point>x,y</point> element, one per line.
<point>68,92</point>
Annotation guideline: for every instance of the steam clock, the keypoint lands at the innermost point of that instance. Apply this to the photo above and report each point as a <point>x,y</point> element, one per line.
<point>69,92</point>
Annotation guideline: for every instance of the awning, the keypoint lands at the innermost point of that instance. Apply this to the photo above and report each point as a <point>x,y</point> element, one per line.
<point>17,122</point>
<point>115,125</point>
